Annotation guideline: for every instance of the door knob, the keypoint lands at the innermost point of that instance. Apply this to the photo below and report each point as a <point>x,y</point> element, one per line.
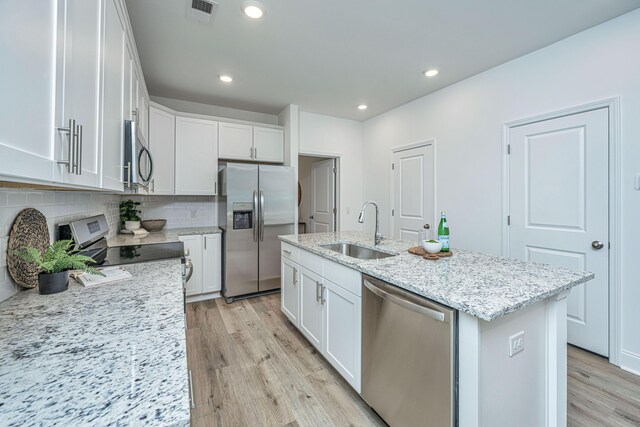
<point>426,226</point>
<point>310,216</point>
<point>596,244</point>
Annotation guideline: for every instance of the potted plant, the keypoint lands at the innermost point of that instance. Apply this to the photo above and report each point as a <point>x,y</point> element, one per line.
<point>129,215</point>
<point>54,265</point>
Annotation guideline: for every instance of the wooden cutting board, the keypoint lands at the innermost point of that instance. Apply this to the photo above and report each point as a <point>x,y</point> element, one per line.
<point>417,250</point>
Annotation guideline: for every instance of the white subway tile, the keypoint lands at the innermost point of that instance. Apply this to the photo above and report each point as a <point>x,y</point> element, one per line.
<point>16,199</point>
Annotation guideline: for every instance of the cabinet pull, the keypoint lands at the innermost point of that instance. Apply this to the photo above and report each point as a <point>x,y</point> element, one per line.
<point>191,396</point>
<point>127,182</point>
<point>318,287</point>
<point>255,152</point>
<point>205,243</point>
<point>295,273</point>
<point>69,131</point>
<point>79,152</point>
<point>153,185</point>
<point>251,150</point>
<point>322,298</point>
<point>286,252</point>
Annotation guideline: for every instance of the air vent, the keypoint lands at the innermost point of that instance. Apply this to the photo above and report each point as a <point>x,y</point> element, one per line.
<point>201,11</point>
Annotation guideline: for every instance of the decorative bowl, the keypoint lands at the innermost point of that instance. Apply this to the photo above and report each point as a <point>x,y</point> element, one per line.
<point>432,246</point>
<point>154,224</point>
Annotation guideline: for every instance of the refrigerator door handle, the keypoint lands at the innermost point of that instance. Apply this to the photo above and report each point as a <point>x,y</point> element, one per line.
<point>256,216</point>
<point>261,215</point>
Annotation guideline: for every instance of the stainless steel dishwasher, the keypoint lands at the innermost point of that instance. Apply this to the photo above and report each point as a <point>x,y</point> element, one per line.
<point>409,353</point>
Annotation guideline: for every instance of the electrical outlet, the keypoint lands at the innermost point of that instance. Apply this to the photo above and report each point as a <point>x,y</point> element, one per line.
<point>516,343</point>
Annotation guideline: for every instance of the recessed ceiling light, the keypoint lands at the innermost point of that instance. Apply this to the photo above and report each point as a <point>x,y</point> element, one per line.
<point>253,9</point>
<point>225,78</point>
<point>431,73</point>
<point>362,107</point>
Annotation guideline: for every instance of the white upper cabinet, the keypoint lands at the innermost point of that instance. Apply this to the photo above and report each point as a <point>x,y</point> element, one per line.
<point>78,105</point>
<point>113,88</point>
<point>251,143</point>
<point>236,141</point>
<point>27,84</point>
<point>196,156</point>
<point>162,129</point>
<point>268,145</point>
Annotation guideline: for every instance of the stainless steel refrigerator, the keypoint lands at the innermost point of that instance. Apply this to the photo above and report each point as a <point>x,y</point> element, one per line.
<point>258,203</point>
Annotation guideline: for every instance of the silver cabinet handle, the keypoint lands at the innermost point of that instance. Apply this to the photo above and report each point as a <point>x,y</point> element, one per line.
<point>251,149</point>
<point>434,314</point>
<point>153,185</point>
<point>295,273</point>
<point>286,252</point>
<point>261,215</point>
<point>76,134</point>
<point>256,216</point>
<point>79,152</point>
<point>255,152</point>
<point>69,132</point>
<point>322,298</point>
<point>191,396</point>
<point>127,181</point>
<point>205,243</point>
<point>596,244</point>
<point>318,287</point>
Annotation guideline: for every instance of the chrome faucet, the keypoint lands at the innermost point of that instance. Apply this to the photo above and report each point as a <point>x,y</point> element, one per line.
<point>377,238</point>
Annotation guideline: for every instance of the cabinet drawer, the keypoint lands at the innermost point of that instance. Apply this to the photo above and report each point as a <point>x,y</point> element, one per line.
<point>289,252</point>
<point>345,277</point>
<point>311,262</point>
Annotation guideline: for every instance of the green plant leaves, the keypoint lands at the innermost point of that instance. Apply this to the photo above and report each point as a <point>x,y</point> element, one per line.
<point>57,257</point>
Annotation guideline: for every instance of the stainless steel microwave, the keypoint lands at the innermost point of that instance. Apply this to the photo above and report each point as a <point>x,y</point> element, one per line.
<point>138,164</point>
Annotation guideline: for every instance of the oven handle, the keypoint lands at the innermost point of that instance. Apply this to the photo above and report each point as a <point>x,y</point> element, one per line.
<point>188,264</point>
<point>425,311</point>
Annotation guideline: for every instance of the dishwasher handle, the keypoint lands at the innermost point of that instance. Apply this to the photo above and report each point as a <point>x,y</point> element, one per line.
<point>425,311</point>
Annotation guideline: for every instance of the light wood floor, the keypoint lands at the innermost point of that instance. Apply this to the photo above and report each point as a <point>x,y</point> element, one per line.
<point>250,367</point>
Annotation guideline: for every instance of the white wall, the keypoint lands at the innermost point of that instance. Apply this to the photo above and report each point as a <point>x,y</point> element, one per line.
<point>215,110</point>
<point>338,138</point>
<point>466,121</point>
<point>58,207</point>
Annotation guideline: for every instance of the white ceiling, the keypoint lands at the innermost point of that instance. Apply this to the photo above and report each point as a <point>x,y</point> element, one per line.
<point>328,56</point>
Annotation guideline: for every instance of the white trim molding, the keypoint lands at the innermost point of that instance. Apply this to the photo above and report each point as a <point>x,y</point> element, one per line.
<point>615,209</point>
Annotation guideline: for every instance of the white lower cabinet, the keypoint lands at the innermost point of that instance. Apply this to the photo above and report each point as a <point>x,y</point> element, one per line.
<point>328,313</point>
<point>205,252</point>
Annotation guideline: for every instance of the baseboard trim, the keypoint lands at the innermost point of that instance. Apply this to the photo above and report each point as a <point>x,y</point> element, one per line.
<point>202,297</point>
<point>630,362</point>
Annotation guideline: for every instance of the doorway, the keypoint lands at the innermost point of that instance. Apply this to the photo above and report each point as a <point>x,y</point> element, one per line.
<point>558,210</point>
<point>413,191</point>
<point>317,186</point>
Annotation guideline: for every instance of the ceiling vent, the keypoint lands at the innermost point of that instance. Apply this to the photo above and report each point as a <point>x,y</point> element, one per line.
<point>202,11</point>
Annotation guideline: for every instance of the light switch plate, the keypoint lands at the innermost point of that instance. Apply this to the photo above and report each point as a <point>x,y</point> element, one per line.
<point>637,181</point>
<point>516,343</point>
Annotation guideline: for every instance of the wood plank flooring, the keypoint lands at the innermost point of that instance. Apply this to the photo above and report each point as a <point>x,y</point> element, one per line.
<point>251,367</point>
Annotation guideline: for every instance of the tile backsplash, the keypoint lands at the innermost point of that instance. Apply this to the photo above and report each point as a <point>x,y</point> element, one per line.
<point>58,207</point>
<point>179,211</point>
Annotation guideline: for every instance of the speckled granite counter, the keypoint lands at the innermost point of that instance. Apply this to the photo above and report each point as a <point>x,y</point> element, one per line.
<point>163,236</point>
<point>112,354</point>
<point>484,286</point>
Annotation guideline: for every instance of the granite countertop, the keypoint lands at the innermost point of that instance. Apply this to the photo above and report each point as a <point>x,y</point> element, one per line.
<point>484,286</point>
<point>162,236</point>
<point>110,354</point>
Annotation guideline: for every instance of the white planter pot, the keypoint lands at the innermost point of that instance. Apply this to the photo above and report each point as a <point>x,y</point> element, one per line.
<point>131,225</point>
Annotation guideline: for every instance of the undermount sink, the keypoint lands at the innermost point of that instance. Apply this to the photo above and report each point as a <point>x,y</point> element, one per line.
<point>356,251</point>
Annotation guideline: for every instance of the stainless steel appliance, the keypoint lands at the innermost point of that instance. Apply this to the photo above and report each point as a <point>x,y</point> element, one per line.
<point>138,164</point>
<point>409,346</point>
<point>259,203</point>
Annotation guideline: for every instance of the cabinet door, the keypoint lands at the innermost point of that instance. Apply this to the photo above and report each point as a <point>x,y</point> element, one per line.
<point>311,307</point>
<point>162,127</point>
<point>236,141</point>
<point>193,244</point>
<point>27,84</point>
<point>268,145</point>
<point>79,85</point>
<point>211,263</point>
<point>113,97</point>
<point>289,290</point>
<point>342,330</point>
<point>196,157</point>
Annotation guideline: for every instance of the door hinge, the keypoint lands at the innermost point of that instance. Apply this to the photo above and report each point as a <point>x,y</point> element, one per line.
<point>508,148</point>
<point>508,219</point>
<point>393,166</point>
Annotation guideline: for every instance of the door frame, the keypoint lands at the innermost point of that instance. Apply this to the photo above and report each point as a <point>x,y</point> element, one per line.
<point>615,211</point>
<point>395,150</point>
<point>337,158</point>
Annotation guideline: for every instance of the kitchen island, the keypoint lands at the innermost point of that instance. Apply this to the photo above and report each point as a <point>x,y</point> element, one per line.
<point>109,354</point>
<point>495,299</point>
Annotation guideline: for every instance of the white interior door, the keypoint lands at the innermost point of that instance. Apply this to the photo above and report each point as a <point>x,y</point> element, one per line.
<point>558,200</point>
<point>323,196</point>
<point>413,191</point>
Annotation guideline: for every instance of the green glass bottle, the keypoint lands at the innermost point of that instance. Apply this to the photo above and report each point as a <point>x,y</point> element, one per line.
<point>443,232</point>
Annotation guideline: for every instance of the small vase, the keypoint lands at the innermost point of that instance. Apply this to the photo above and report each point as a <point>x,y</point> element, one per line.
<point>132,225</point>
<point>52,283</point>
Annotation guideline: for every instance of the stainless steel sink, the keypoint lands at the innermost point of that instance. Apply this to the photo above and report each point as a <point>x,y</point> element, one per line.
<point>356,251</point>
